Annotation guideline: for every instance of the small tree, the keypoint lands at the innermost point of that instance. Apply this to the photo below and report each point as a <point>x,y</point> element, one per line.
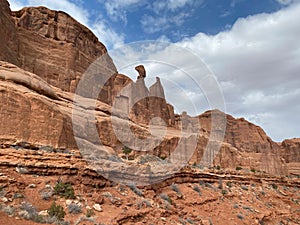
<point>56,211</point>
<point>126,151</point>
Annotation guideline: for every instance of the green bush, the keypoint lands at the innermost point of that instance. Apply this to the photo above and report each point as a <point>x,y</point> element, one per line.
<point>126,151</point>
<point>64,190</point>
<point>56,211</point>
<point>274,186</point>
<point>238,168</point>
<point>224,192</point>
<point>229,184</point>
<point>90,213</point>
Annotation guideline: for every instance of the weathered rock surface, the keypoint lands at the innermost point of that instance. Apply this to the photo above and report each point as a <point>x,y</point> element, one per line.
<point>54,46</point>
<point>9,41</point>
<point>291,153</point>
<point>37,109</point>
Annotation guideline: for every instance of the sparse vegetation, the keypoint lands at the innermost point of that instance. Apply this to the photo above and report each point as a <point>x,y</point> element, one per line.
<point>175,188</point>
<point>224,192</point>
<point>56,211</point>
<point>238,168</point>
<point>126,151</point>
<point>90,213</point>
<point>252,170</point>
<point>274,186</point>
<point>46,193</point>
<point>229,184</point>
<point>240,216</point>
<point>137,191</point>
<point>74,208</point>
<point>190,221</point>
<point>166,198</point>
<point>143,203</point>
<point>197,189</point>
<point>88,219</point>
<point>64,190</point>
<point>245,188</point>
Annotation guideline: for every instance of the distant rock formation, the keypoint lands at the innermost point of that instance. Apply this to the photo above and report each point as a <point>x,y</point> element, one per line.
<point>141,70</point>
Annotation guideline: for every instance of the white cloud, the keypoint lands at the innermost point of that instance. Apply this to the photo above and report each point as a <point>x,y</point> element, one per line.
<point>153,24</point>
<point>173,5</point>
<point>257,63</point>
<point>107,36</point>
<point>117,9</point>
<point>285,2</point>
<point>16,5</point>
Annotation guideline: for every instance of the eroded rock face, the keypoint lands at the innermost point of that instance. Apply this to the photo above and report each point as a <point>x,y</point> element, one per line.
<point>291,153</point>
<point>54,46</point>
<point>37,107</point>
<point>255,148</point>
<point>9,40</point>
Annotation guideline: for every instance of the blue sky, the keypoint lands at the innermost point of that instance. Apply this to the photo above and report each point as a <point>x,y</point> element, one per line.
<point>251,46</point>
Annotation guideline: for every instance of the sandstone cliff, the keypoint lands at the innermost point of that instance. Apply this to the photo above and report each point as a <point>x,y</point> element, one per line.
<point>53,51</point>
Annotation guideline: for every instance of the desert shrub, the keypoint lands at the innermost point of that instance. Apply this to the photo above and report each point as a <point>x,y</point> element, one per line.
<point>46,193</point>
<point>274,186</point>
<point>218,167</point>
<point>197,189</point>
<point>245,188</point>
<point>229,184</point>
<point>30,213</point>
<point>142,203</point>
<point>253,170</point>
<point>240,216</point>
<point>82,219</point>
<point>137,191</point>
<point>56,211</point>
<point>224,192</point>
<point>90,213</point>
<point>190,221</point>
<point>18,195</point>
<point>28,208</point>
<point>166,198</point>
<point>64,190</point>
<point>74,208</point>
<point>10,210</point>
<point>238,168</point>
<point>175,188</point>
<point>126,151</point>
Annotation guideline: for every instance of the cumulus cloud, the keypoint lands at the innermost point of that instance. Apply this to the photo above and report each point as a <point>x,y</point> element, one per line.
<point>257,64</point>
<point>153,24</point>
<point>173,5</point>
<point>110,38</point>
<point>117,9</point>
<point>285,2</point>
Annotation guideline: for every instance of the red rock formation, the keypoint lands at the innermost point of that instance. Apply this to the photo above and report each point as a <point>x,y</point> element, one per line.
<point>38,109</point>
<point>9,41</point>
